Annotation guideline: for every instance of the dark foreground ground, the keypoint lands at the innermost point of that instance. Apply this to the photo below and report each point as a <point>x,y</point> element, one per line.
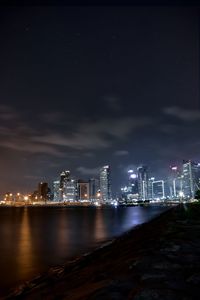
<point>158,260</point>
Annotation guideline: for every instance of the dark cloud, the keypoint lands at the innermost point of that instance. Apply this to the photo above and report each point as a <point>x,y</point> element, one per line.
<point>7,113</point>
<point>26,136</point>
<point>26,146</point>
<point>17,135</point>
<point>86,87</point>
<point>121,153</point>
<point>54,117</point>
<point>95,135</point>
<point>88,171</point>
<point>77,141</point>
<point>89,154</point>
<point>183,114</point>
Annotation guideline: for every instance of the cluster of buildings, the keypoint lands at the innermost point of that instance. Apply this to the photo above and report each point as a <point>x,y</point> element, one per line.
<point>69,189</point>
<point>181,184</point>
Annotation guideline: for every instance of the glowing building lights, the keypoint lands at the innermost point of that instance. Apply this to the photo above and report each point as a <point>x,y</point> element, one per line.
<point>105,184</point>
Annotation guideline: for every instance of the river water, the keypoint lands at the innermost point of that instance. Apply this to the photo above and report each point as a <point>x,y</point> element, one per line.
<point>32,239</point>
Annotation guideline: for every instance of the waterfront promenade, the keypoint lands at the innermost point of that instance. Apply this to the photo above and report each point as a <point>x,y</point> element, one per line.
<point>158,260</point>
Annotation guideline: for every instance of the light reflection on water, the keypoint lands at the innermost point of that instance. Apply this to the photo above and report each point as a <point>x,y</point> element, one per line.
<point>24,247</point>
<point>35,238</point>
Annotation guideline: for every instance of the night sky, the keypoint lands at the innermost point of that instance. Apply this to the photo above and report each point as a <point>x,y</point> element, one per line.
<point>81,87</point>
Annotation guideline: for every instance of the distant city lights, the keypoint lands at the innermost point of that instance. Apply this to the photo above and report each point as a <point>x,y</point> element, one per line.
<point>133,176</point>
<point>174,168</point>
<point>139,186</point>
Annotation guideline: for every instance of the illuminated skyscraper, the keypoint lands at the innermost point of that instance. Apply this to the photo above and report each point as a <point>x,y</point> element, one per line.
<point>57,191</point>
<point>64,176</point>
<point>93,188</point>
<point>105,184</point>
<point>174,182</point>
<point>143,182</point>
<point>132,182</point>
<point>83,190</point>
<point>150,188</point>
<point>69,189</point>
<point>158,190</point>
<point>190,178</point>
<point>130,191</point>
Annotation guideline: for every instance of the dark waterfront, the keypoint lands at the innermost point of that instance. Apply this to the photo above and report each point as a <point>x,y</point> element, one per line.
<point>35,238</point>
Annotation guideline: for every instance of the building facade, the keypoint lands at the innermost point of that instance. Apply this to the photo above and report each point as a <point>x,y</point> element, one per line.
<point>191,175</point>
<point>43,190</point>
<point>57,195</point>
<point>83,190</point>
<point>143,182</point>
<point>93,189</point>
<point>158,190</point>
<point>70,190</point>
<point>105,184</point>
<point>64,176</point>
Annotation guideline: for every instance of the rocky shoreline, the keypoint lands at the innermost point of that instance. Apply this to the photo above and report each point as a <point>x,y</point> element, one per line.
<point>157,260</point>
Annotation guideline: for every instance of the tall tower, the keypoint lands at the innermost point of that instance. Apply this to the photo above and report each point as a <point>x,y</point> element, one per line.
<point>150,188</point>
<point>190,178</point>
<point>93,188</point>
<point>105,184</point>
<point>64,176</point>
<point>56,191</point>
<point>143,182</point>
<point>132,182</point>
<point>83,190</point>
<point>70,190</point>
<point>43,190</point>
<point>174,182</point>
<point>158,190</point>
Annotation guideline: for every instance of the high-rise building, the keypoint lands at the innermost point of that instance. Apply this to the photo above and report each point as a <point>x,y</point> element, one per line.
<point>143,182</point>
<point>174,182</point>
<point>83,190</point>
<point>105,184</point>
<point>130,191</point>
<point>63,177</point>
<point>43,190</point>
<point>191,175</point>
<point>57,195</point>
<point>150,188</point>
<point>93,188</point>
<point>132,182</point>
<point>69,190</point>
<point>158,190</point>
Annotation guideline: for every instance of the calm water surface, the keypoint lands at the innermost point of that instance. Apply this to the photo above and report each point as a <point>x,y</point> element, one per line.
<point>34,238</point>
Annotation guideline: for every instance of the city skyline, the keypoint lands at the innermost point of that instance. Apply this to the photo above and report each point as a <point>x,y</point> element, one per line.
<point>86,86</point>
<point>99,149</point>
<point>139,183</point>
<point>182,182</point>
